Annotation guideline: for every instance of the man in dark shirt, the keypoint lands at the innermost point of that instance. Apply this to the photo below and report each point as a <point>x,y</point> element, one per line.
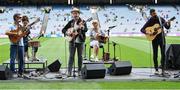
<point>159,39</point>
<point>79,25</point>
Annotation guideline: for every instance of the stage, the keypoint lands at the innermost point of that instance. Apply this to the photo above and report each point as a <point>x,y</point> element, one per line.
<point>137,74</point>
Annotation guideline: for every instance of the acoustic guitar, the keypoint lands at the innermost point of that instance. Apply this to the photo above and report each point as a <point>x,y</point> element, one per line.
<point>154,30</point>
<point>20,32</point>
<point>72,33</point>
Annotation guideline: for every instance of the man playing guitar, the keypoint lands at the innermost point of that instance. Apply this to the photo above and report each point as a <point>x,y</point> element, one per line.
<point>16,49</point>
<point>75,28</point>
<point>159,39</point>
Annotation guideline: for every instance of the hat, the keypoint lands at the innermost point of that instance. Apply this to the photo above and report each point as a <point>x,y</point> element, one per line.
<point>75,10</point>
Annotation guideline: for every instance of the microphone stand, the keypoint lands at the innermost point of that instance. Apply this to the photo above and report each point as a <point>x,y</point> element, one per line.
<point>108,38</point>
<point>163,64</point>
<point>114,46</point>
<point>109,35</point>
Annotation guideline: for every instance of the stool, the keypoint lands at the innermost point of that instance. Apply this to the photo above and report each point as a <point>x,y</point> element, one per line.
<point>100,46</point>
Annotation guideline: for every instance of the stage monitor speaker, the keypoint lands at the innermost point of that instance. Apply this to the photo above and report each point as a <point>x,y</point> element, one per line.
<point>172,59</point>
<point>120,68</point>
<point>93,71</point>
<point>5,73</point>
<point>55,66</point>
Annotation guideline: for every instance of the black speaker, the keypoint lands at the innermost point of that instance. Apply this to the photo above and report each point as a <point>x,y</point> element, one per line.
<point>55,66</point>
<point>120,68</point>
<point>172,59</point>
<point>93,71</point>
<point>5,73</point>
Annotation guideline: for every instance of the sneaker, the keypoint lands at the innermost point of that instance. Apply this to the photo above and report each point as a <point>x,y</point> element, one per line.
<point>96,59</point>
<point>92,56</point>
<point>26,59</point>
<point>156,72</point>
<point>20,75</point>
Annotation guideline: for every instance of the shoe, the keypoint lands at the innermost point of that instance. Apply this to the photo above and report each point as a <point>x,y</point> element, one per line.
<point>156,73</point>
<point>96,59</point>
<point>26,59</point>
<point>92,56</point>
<point>20,75</point>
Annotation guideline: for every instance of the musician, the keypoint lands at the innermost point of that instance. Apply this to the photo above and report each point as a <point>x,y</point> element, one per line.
<point>25,22</point>
<point>159,40</point>
<point>79,25</point>
<point>94,33</point>
<point>16,49</point>
<point>26,38</point>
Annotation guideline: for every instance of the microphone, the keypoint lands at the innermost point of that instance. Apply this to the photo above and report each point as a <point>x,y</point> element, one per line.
<point>112,27</point>
<point>114,43</point>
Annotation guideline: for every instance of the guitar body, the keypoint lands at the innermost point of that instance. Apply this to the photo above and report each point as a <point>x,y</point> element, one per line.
<point>16,38</point>
<point>20,32</point>
<point>153,29</point>
<point>72,33</point>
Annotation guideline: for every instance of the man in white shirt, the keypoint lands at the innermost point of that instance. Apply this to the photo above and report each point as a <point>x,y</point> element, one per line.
<point>16,49</point>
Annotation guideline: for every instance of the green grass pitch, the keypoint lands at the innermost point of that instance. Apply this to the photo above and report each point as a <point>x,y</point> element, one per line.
<point>135,49</point>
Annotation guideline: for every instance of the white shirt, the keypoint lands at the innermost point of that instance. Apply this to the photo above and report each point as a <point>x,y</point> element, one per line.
<point>77,40</point>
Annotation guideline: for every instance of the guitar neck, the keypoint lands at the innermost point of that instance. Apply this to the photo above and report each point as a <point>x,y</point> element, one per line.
<point>32,24</point>
<point>162,25</point>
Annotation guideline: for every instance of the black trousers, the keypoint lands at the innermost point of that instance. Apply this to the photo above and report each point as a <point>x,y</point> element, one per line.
<point>72,49</point>
<point>155,44</point>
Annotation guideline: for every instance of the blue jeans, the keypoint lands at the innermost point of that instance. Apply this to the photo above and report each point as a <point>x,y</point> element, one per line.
<point>19,52</point>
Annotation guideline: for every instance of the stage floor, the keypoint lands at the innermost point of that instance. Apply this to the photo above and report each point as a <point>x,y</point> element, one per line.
<point>137,74</point>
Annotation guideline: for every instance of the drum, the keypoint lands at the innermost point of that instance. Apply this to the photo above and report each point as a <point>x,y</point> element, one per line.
<point>34,43</point>
<point>102,39</point>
